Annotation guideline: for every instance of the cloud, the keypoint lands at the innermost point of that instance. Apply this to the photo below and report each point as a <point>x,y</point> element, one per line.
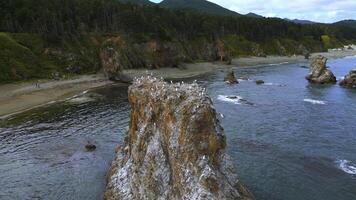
<point>315,10</point>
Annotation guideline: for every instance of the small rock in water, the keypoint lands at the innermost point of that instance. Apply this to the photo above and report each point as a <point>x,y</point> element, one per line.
<point>90,147</point>
<point>230,78</point>
<point>232,97</point>
<point>244,78</point>
<point>244,101</point>
<point>260,82</point>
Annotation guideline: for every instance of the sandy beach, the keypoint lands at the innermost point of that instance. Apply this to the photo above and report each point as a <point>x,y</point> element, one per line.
<point>187,71</point>
<point>19,97</point>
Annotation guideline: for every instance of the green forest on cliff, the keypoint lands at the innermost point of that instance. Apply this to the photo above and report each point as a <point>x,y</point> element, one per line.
<point>38,38</point>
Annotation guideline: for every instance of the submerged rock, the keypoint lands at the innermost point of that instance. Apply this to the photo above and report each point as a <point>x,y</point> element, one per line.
<point>175,147</point>
<point>260,82</point>
<point>230,78</point>
<point>349,80</point>
<point>319,73</point>
<point>90,147</point>
<point>232,97</point>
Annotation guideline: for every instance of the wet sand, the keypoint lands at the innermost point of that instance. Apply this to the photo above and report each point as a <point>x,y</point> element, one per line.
<point>19,97</point>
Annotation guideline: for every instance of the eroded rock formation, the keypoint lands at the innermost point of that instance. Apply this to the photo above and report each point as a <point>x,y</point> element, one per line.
<point>230,78</point>
<point>319,73</point>
<point>112,60</point>
<point>221,54</point>
<point>175,147</point>
<point>349,80</point>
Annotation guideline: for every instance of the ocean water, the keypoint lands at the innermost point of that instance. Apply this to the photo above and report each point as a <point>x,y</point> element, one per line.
<point>289,140</point>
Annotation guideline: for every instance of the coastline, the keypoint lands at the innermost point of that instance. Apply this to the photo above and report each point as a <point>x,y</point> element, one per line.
<point>256,61</point>
<point>19,97</point>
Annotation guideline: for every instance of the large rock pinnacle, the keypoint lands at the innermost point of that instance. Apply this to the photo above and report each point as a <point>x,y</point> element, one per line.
<point>319,73</point>
<point>175,147</point>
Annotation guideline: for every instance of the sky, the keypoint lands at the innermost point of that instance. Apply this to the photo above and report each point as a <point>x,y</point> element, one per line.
<point>326,11</point>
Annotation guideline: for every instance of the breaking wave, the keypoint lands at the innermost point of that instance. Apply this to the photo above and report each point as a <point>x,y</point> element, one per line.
<point>346,166</point>
<point>230,99</point>
<point>315,101</point>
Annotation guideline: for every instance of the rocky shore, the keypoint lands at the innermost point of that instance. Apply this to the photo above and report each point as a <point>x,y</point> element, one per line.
<point>174,149</point>
<point>18,97</point>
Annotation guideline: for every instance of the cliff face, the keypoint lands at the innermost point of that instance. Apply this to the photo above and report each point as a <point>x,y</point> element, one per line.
<point>118,52</point>
<point>175,147</point>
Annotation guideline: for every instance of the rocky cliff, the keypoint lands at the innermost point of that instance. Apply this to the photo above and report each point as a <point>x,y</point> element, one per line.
<point>319,73</point>
<point>154,54</point>
<point>174,149</point>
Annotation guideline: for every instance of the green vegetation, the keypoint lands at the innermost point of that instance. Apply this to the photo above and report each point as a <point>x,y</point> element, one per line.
<point>17,61</point>
<point>26,56</point>
<point>239,46</point>
<point>38,38</point>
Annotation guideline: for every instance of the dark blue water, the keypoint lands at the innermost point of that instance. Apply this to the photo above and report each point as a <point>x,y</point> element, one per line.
<point>43,155</point>
<point>289,140</point>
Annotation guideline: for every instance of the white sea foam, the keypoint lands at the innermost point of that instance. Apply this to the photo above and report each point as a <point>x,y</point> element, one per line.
<point>269,84</point>
<point>80,98</point>
<point>222,115</point>
<point>52,102</point>
<point>315,101</point>
<point>347,166</point>
<point>282,63</point>
<point>341,78</point>
<point>354,56</point>
<point>274,84</point>
<point>230,99</point>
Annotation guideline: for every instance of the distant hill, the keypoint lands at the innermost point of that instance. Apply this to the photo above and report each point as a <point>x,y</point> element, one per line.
<point>299,21</point>
<point>140,2</point>
<point>199,5</point>
<point>43,39</point>
<point>348,23</point>
<point>253,15</point>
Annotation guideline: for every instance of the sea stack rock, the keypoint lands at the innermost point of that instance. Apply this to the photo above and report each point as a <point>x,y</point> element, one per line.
<point>111,61</point>
<point>349,80</point>
<point>319,73</point>
<point>174,149</point>
<point>230,78</point>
